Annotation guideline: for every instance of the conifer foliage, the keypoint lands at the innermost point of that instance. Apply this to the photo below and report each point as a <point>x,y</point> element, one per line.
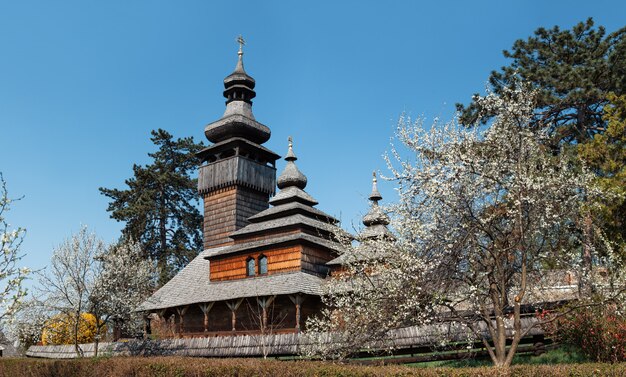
<point>605,154</point>
<point>159,206</point>
<point>572,71</point>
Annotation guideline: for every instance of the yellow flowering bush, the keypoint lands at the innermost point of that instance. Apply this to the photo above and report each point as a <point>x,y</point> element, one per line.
<point>60,329</point>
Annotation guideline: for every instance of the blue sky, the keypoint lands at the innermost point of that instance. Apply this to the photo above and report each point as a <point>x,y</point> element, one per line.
<point>82,84</point>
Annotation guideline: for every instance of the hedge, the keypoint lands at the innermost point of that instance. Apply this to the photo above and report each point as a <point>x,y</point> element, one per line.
<point>196,367</point>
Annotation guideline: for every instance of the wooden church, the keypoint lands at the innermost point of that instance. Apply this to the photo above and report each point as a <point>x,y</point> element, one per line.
<point>266,253</point>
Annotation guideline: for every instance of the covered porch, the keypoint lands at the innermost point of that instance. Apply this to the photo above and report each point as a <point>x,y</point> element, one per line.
<point>271,314</point>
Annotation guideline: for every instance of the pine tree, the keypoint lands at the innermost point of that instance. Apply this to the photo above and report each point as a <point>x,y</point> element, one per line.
<point>573,71</point>
<point>159,206</point>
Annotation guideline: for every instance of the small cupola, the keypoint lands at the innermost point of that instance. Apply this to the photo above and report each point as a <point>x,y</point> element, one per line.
<point>239,86</point>
<point>291,176</point>
<point>376,220</point>
<point>238,119</point>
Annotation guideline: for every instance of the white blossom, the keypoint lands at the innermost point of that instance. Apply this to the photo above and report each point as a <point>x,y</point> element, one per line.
<point>11,276</point>
<point>482,213</point>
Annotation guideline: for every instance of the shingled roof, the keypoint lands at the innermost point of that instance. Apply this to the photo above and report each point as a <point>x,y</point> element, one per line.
<point>292,210</point>
<point>375,221</point>
<point>191,285</point>
<point>275,241</point>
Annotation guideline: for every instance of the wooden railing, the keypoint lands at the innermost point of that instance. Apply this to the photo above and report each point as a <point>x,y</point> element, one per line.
<point>194,333</point>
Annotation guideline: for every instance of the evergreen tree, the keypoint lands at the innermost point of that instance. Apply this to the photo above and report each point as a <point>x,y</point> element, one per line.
<point>159,206</point>
<point>572,70</point>
<point>605,154</point>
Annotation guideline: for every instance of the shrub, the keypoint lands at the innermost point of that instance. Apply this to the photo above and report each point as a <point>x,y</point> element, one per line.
<point>199,367</point>
<point>60,329</point>
<point>599,332</point>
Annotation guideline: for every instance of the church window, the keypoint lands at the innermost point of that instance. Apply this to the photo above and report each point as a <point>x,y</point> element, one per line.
<point>250,267</point>
<point>262,265</point>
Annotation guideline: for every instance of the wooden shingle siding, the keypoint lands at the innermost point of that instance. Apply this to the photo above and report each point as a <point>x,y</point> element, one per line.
<point>314,260</point>
<point>237,170</point>
<point>226,210</point>
<point>281,259</point>
<point>249,203</point>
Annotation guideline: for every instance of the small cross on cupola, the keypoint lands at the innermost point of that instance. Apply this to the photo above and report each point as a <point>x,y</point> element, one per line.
<point>242,42</point>
<point>239,86</point>
<point>238,174</point>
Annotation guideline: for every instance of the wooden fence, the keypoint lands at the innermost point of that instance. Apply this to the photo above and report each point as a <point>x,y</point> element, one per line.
<point>407,340</point>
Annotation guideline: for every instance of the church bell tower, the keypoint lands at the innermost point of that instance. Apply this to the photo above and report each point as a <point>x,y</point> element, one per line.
<point>237,175</point>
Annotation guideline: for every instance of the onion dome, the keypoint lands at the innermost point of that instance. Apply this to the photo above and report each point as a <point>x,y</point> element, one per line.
<point>238,120</point>
<point>291,176</point>
<point>376,220</point>
<point>291,218</point>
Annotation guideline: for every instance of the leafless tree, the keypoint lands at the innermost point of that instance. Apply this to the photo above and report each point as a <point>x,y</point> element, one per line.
<point>266,320</point>
<point>69,281</point>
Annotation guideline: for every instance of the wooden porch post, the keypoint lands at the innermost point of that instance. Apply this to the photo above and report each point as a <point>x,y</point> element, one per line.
<point>233,306</point>
<point>297,300</point>
<point>264,303</point>
<point>206,307</point>
<point>147,330</point>
<point>160,316</point>
<point>181,320</point>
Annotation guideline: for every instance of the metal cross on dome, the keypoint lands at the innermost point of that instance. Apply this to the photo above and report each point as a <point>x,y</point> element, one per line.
<point>241,42</point>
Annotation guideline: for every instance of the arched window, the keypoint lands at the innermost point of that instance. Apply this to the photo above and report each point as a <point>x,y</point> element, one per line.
<point>250,267</point>
<point>262,265</point>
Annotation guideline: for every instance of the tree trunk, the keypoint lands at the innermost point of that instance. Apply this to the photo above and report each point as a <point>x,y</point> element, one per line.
<point>117,332</point>
<point>264,319</point>
<point>79,352</point>
<point>162,258</point>
<point>585,286</point>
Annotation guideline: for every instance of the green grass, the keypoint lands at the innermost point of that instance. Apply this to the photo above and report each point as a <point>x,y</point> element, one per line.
<point>561,355</point>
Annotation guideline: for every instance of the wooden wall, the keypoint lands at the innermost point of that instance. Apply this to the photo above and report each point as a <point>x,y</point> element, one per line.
<point>314,260</point>
<point>227,209</point>
<point>281,259</point>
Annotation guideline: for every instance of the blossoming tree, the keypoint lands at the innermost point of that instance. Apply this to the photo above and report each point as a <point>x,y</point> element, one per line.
<point>65,286</point>
<point>11,275</point>
<point>485,215</point>
<point>86,276</point>
<point>126,278</point>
